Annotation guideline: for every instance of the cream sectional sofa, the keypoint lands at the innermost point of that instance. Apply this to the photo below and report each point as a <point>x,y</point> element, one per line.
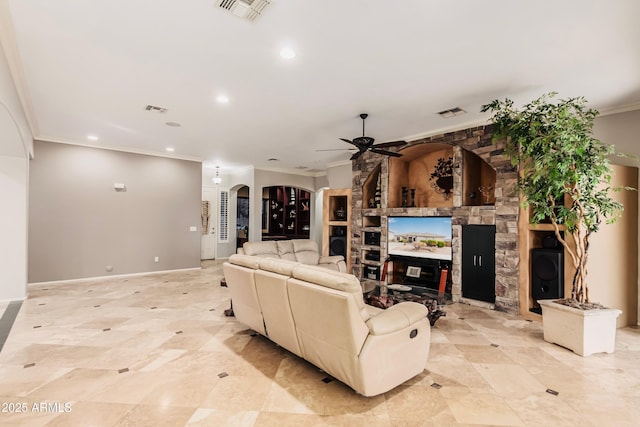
<point>320,315</point>
<point>304,251</point>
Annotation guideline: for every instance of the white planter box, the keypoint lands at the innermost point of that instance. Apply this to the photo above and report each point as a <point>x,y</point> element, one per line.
<point>584,332</point>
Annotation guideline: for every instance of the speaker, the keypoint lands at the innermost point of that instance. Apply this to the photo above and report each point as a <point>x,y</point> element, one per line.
<point>550,242</point>
<point>338,245</point>
<point>547,273</point>
<point>339,231</point>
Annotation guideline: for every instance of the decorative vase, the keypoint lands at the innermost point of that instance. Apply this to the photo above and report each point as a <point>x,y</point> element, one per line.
<point>584,332</point>
<point>443,185</point>
<point>445,182</point>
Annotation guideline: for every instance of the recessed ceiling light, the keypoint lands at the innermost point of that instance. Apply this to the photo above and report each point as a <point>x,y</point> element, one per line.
<point>170,149</point>
<point>287,53</point>
<point>222,99</point>
<point>92,137</point>
<point>173,124</point>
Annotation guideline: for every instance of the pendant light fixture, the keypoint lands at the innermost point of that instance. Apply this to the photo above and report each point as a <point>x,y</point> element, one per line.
<point>217,180</point>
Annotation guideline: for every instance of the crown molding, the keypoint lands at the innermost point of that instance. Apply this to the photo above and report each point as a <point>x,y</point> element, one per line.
<point>620,109</point>
<point>339,163</point>
<point>121,149</point>
<point>453,128</point>
<point>292,171</point>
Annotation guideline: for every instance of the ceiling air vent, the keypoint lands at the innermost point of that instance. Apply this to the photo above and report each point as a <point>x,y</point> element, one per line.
<point>247,9</point>
<point>457,111</point>
<point>155,108</point>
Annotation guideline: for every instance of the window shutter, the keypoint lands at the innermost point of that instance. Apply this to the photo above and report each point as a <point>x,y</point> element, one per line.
<point>223,229</point>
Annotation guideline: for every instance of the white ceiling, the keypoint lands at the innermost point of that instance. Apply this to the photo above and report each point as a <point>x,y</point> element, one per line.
<point>90,67</point>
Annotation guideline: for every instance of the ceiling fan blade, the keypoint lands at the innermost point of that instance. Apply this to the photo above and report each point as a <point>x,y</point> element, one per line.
<point>386,153</point>
<point>338,149</point>
<point>390,144</point>
<point>348,141</point>
<point>356,155</point>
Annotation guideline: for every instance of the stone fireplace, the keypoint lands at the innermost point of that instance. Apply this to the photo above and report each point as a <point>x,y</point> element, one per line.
<point>478,163</point>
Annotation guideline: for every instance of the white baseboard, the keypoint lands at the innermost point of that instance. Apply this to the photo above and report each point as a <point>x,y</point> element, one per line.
<point>114,276</point>
<point>7,301</point>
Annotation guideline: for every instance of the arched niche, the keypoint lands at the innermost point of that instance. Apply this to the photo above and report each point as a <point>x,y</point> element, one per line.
<point>371,194</point>
<point>413,172</point>
<point>478,180</point>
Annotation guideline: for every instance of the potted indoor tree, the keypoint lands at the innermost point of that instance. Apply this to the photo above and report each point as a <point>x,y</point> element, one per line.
<point>564,178</point>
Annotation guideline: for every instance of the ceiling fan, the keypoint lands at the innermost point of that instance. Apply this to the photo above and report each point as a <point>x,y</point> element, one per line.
<point>365,143</point>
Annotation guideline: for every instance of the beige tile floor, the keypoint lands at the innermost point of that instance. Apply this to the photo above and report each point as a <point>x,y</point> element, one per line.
<point>157,350</point>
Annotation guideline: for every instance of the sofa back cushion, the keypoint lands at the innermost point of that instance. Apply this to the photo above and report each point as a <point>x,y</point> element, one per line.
<point>239,272</point>
<point>286,250</point>
<point>335,280</point>
<point>267,249</point>
<point>279,266</point>
<point>329,327</point>
<point>306,251</point>
<point>271,287</point>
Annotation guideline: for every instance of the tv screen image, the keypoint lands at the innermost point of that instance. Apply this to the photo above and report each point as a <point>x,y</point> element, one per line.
<point>422,237</point>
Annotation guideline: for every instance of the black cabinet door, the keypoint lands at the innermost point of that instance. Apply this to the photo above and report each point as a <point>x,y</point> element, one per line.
<point>479,262</point>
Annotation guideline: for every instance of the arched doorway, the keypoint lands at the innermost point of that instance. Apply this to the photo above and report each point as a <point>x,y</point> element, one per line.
<point>242,216</point>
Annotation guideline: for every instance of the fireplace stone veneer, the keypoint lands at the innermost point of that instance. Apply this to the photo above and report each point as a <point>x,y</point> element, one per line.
<point>503,214</point>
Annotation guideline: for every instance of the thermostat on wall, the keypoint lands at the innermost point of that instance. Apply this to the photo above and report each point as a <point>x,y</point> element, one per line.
<point>118,186</point>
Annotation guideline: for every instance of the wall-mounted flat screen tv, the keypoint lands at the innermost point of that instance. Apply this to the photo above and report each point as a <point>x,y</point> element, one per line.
<point>421,237</point>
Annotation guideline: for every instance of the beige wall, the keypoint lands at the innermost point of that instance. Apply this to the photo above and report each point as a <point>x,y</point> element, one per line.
<point>79,224</point>
<point>340,175</point>
<point>623,131</point>
<point>613,254</point>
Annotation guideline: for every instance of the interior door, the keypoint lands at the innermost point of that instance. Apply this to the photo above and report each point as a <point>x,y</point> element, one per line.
<point>208,239</point>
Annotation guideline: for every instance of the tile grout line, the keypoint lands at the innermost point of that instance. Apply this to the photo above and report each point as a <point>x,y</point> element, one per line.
<point>7,319</point>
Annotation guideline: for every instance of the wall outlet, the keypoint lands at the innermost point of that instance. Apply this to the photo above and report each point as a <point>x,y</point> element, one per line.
<point>157,259</point>
<point>193,228</point>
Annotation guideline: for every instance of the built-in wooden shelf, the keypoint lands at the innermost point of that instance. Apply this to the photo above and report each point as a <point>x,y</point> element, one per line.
<point>545,227</point>
<point>336,223</point>
<point>373,229</point>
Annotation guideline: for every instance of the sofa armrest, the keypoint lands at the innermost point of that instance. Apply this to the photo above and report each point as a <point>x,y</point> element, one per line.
<point>396,318</point>
<point>240,251</point>
<point>336,262</point>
